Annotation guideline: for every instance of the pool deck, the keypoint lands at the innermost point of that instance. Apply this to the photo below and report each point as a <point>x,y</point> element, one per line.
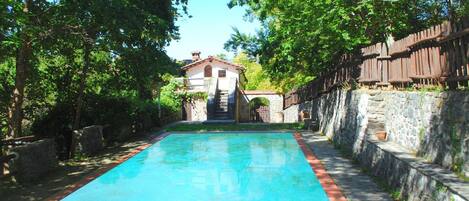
<point>339,177</point>
<point>355,184</point>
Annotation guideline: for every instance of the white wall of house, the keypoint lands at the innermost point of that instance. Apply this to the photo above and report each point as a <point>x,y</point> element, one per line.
<point>196,73</point>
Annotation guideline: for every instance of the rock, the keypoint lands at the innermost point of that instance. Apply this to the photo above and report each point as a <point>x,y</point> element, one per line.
<point>89,140</point>
<point>35,159</point>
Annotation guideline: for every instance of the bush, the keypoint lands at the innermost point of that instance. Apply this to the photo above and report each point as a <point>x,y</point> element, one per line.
<point>122,117</point>
<point>56,124</point>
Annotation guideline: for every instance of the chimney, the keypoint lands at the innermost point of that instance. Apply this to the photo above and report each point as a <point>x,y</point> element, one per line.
<point>195,56</point>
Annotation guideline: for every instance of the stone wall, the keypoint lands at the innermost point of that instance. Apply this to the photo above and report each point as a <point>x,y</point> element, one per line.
<point>199,110</point>
<point>429,126</point>
<point>275,104</point>
<point>415,179</point>
<point>34,160</point>
<point>290,114</point>
<point>89,140</point>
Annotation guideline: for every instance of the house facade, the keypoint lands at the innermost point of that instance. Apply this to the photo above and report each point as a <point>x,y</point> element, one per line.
<point>200,71</point>
<point>222,82</point>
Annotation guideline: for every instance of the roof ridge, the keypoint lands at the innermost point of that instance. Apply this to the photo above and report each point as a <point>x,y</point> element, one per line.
<point>211,58</point>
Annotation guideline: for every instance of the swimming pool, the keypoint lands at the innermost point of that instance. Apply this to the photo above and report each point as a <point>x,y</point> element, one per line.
<point>214,166</point>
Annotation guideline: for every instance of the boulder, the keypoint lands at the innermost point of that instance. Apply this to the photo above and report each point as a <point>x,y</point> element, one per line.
<point>89,140</point>
<point>33,160</point>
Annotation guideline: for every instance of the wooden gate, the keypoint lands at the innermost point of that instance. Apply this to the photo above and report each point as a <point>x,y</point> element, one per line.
<point>260,114</point>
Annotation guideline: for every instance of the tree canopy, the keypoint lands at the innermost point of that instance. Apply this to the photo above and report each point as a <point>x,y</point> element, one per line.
<point>64,52</point>
<point>300,38</point>
<point>256,77</point>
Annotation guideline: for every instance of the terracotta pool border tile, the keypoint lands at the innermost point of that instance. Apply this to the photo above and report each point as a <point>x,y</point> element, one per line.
<point>332,190</point>
<point>92,176</point>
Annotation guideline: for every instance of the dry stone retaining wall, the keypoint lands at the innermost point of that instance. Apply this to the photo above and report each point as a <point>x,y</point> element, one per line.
<point>434,126</point>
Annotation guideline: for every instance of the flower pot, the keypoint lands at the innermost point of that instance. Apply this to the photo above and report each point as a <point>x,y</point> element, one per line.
<point>381,135</point>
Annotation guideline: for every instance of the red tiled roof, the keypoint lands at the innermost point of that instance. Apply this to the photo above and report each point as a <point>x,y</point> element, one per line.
<point>210,59</point>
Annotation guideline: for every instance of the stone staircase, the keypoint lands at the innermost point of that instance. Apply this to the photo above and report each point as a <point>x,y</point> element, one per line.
<point>221,103</point>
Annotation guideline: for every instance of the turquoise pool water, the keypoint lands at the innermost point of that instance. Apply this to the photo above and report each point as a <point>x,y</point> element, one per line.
<point>206,167</point>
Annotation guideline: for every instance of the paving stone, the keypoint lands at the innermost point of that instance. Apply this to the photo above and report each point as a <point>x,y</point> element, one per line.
<point>355,184</point>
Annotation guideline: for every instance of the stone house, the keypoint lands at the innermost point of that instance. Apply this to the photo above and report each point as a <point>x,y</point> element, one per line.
<point>223,84</point>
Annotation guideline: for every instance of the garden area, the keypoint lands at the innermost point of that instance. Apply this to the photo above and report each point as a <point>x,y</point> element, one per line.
<point>87,85</point>
<point>71,71</point>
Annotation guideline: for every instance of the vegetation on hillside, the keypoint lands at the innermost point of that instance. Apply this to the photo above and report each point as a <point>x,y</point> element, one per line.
<point>301,38</point>
<point>255,75</point>
<point>67,64</point>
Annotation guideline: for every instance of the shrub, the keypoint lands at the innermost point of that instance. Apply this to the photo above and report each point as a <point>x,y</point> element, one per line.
<point>122,117</point>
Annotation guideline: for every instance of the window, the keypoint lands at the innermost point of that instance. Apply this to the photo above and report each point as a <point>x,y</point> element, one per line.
<point>208,71</point>
<point>222,73</point>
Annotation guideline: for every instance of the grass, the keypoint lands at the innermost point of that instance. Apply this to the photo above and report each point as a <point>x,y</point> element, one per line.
<point>235,127</point>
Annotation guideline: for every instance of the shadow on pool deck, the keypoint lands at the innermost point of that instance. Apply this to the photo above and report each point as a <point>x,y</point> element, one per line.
<point>65,175</point>
<point>355,184</point>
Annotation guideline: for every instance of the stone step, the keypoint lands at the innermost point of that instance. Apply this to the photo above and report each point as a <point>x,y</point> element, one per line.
<point>221,118</point>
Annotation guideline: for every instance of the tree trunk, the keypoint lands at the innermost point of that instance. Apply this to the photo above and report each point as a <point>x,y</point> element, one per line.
<point>81,91</point>
<point>143,92</point>
<point>23,66</point>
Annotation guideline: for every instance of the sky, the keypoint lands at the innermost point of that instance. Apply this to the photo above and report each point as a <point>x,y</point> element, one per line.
<point>208,29</point>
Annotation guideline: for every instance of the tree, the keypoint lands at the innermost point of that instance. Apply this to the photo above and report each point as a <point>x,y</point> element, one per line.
<point>304,37</point>
<point>75,48</point>
<point>21,32</point>
<point>255,76</point>
<point>134,32</point>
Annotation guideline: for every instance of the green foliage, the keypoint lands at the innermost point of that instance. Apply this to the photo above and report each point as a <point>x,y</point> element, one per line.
<point>121,116</point>
<point>168,95</point>
<point>173,96</point>
<point>200,95</point>
<point>305,37</point>
<point>6,87</point>
<point>456,149</point>
<point>255,75</point>
<point>257,102</point>
<point>222,56</point>
<point>126,40</point>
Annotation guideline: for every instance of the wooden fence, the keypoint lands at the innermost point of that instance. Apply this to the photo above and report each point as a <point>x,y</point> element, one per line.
<point>437,56</point>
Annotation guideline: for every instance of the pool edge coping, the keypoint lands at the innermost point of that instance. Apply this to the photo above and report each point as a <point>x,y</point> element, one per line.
<point>100,171</point>
<point>333,192</point>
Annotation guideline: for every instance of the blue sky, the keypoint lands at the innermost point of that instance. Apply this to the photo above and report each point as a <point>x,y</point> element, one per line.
<point>208,29</point>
